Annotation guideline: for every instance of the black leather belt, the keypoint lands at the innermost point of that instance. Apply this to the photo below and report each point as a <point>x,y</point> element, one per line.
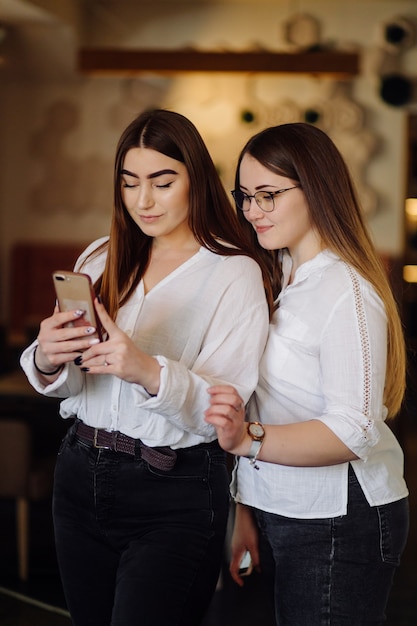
<point>162,458</point>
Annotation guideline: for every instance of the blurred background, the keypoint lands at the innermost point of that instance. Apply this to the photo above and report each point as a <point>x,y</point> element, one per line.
<point>74,73</point>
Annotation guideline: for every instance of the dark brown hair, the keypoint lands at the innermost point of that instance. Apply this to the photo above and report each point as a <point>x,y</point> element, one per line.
<point>212,218</point>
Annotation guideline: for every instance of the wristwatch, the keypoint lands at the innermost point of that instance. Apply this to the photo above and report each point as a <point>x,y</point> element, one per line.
<point>257,433</point>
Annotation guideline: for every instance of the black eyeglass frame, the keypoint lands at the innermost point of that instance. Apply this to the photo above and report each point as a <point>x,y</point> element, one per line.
<point>271,194</point>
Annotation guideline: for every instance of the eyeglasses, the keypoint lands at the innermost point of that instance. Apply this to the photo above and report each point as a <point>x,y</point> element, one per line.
<point>264,199</point>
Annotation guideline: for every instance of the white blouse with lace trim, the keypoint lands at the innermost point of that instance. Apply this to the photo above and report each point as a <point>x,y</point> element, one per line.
<point>325,359</point>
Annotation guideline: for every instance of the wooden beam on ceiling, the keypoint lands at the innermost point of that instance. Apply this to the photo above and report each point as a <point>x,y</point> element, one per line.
<point>122,62</point>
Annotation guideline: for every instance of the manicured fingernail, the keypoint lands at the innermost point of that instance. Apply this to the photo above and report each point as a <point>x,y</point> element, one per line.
<point>85,369</point>
<point>78,360</point>
<point>99,298</point>
<point>92,342</point>
<point>78,313</point>
<point>89,330</point>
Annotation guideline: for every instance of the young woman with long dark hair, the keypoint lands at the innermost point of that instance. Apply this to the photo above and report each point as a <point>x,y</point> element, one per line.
<point>141,485</point>
<point>319,483</point>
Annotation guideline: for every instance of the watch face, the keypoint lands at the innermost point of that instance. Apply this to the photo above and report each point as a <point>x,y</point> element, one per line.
<point>256,431</point>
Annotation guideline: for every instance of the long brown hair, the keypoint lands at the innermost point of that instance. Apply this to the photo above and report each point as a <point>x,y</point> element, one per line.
<point>212,218</point>
<point>307,156</point>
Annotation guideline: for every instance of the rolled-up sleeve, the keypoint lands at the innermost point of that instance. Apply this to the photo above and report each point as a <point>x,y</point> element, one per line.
<point>353,362</point>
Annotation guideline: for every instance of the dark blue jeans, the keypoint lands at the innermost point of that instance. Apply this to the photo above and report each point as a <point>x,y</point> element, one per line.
<point>334,571</point>
<point>136,545</point>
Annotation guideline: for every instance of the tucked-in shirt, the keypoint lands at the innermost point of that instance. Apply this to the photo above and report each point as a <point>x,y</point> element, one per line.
<point>206,323</point>
<point>325,359</point>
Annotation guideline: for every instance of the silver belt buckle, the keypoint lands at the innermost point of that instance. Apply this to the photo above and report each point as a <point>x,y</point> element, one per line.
<point>95,444</point>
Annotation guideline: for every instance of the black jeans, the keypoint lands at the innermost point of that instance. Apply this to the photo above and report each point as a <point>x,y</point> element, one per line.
<point>334,571</point>
<point>137,546</point>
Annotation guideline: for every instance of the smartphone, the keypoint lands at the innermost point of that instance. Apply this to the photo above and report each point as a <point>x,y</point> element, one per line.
<point>74,290</point>
<point>245,566</point>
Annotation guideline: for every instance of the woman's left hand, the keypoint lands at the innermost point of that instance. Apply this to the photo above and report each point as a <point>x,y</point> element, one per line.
<point>227,415</point>
<point>119,356</point>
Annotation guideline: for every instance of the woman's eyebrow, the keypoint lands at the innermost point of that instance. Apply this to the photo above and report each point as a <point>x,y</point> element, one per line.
<point>150,176</point>
<point>161,173</point>
<point>258,187</point>
<point>127,173</point>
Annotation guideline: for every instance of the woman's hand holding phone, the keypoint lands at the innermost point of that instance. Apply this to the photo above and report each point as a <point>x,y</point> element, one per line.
<point>73,333</point>
<point>120,356</point>
<point>75,292</point>
<point>60,343</point>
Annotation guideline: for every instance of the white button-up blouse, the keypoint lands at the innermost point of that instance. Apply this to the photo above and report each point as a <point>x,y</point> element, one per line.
<point>206,323</point>
<point>325,359</point>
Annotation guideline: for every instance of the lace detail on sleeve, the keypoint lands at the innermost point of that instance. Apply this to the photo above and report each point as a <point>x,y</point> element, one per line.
<point>366,353</point>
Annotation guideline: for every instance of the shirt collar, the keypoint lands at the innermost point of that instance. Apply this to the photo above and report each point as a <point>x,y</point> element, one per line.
<point>321,260</point>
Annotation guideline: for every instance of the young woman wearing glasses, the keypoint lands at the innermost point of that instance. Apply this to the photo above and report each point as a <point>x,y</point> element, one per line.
<point>319,480</point>
<point>141,493</point>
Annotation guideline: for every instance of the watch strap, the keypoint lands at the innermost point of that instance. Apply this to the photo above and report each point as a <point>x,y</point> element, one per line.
<point>253,453</point>
<point>255,446</point>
